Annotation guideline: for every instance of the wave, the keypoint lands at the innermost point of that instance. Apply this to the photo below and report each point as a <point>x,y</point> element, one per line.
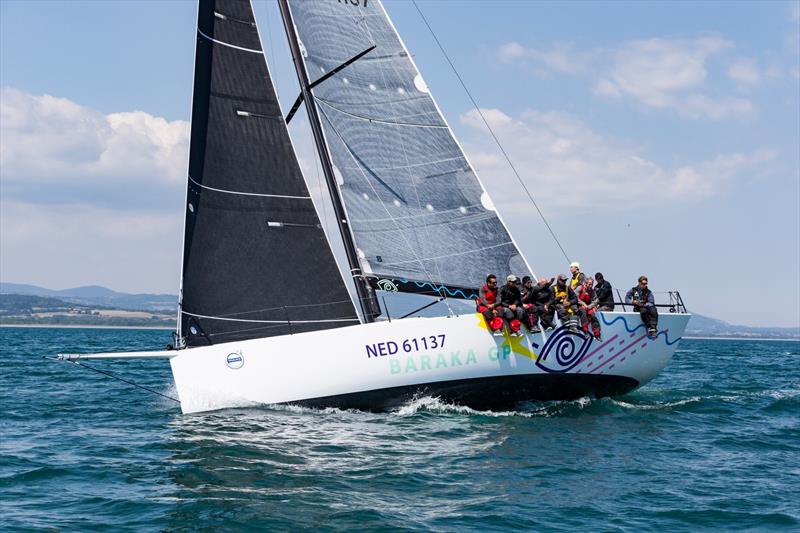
<point>433,404</point>
<point>655,406</point>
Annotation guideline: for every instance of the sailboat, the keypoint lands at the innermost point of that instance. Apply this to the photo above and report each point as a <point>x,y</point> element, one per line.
<point>267,316</point>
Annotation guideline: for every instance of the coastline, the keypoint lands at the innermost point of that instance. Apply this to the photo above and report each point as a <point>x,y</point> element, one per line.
<point>80,326</point>
<point>741,339</point>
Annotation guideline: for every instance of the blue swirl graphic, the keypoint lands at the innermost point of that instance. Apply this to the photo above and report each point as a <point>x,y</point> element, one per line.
<point>568,347</point>
<point>629,330</point>
<point>453,293</point>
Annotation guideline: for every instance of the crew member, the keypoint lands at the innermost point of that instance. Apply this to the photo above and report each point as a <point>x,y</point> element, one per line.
<point>643,302</point>
<point>605,296</point>
<point>540,298</point>
<point>489,306</point>
<point>587,307</point>
<point>527,306</point>
<point>577,276</point>
<point>566,303</point>
<point>511,301</point>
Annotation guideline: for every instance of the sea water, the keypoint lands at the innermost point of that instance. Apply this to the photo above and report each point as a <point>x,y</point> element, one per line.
<point>713,444</point>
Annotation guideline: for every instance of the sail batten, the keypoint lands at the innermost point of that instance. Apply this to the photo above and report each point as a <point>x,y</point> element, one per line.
<point>256,262</point>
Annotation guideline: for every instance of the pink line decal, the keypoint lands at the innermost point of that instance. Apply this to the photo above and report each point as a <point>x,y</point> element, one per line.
<point>618,354</point>
<point>588,355</point>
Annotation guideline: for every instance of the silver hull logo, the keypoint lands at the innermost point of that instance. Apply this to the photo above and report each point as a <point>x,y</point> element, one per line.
<point>235,360</point>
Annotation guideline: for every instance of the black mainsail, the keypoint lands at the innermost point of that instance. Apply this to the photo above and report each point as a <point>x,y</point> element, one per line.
<point>256,262</point>
<point>419,216</point>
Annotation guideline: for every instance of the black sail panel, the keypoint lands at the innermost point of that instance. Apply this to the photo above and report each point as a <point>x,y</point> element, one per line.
<point>256,262</point>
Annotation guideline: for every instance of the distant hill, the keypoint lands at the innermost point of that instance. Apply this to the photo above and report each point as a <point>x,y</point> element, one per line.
<point>95,295</point>
<point>704,326</point>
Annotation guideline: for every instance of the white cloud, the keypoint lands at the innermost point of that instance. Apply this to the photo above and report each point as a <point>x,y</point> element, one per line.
<point>604,87</point>
<point>45,140</point>
<point>651,69</point>
<point>567,165</point>
<point>664,74</point>
<point>745,72</point>
<point>61,246</point>
<point>511,51</point>
<point>670,74</point>
<point>89,197</point>
<point>561,57</point>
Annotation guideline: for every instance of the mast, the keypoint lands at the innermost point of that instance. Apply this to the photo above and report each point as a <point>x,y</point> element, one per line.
<point>366,296</point>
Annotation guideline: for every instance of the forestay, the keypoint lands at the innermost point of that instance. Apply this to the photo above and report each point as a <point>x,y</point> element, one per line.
<point>417,210</point>
<point>256,262</point>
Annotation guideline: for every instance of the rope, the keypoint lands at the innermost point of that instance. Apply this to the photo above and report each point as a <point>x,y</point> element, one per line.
<point>109,374</point>
<point>486,123</point>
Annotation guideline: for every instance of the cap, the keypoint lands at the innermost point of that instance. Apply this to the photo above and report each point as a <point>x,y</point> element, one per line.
<point>575,264</point>
<point>511,277</point>
<point>562,277</point>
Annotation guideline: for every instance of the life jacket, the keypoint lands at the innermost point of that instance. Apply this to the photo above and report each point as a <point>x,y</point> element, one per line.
<point>585,295</point>
<point>489,295</point>
<point>561,297</point>
<point>576,280</point>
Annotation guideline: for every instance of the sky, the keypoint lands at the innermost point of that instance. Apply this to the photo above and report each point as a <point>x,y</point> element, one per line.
<point>657,137</point>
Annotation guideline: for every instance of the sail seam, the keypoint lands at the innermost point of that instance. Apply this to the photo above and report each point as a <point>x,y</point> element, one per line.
<point>474,250</point>
<point>393,123</point>
<point>272,321</point>
<point>229,45</point>
<point>249,193</point>
<point>414,165</point>
<point>423,215</point>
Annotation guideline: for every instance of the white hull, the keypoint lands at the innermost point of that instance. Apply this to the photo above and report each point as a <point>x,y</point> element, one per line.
<point>378,365</point>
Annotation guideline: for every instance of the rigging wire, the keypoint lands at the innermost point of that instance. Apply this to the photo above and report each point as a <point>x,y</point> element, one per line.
<point>491,131</point>
<point>113,376</point>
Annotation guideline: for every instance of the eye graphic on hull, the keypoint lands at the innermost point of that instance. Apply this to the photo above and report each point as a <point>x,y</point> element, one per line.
<point>563,350</point>
<point>386,285</point>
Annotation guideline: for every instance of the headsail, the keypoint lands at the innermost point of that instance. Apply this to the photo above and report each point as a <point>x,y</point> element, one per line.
<point>418,213</point>
<point>256,262</point>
